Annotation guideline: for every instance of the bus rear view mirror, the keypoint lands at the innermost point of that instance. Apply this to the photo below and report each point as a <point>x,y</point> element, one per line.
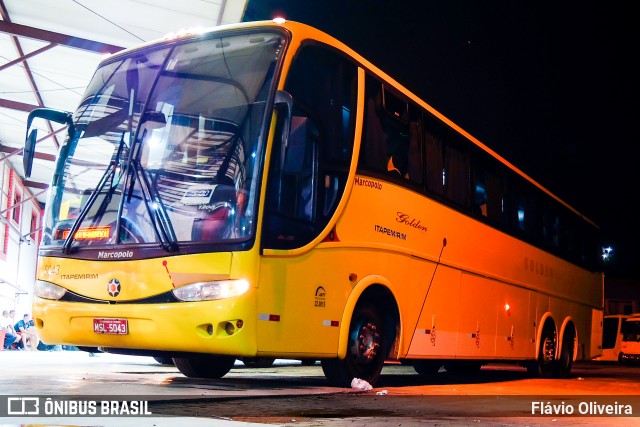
<point>50,114</point>
<point>29,152</point>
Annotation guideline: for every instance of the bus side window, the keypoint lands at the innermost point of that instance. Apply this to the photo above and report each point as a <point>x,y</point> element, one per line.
<point>373,154</point>
<point>456,173</point>
<point>387,139</point>
<point>300,171</point>
<point>434,163</point>
<point>395,123</point>
<point>306,182</point>
<point>520,212</point>
<point>488,189</point>
<point>397,154</point>
<point>496,196</point>
<point>480,193</point>
<point>416,170</point>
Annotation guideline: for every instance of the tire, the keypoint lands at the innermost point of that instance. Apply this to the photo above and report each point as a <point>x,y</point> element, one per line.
<point>164,360</point>
<point>204,365</point>
<point>564,363</point>
<point>258,362</point>
<point>544,364</point>
<point>365,352</point>
<point>427,368</point>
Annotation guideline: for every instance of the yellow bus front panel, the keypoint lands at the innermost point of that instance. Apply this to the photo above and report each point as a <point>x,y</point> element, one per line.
<point>133,291</point>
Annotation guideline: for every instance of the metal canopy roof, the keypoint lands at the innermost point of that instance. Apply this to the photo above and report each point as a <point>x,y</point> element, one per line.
<point>49,51</point>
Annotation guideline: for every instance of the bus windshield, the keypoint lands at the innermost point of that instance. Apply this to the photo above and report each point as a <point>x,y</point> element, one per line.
<point>164,146</point>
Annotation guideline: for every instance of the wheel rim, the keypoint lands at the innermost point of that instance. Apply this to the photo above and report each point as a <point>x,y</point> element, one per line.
<point>366,342</point>
<point>366,348</point>
<point>548,355</point>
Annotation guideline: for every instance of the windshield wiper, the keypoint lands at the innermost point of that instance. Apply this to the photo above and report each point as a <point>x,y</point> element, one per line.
<point>108,176</point>
<point>157,211</point>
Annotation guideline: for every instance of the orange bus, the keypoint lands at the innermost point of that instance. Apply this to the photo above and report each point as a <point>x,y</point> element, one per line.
<point>260,191</point>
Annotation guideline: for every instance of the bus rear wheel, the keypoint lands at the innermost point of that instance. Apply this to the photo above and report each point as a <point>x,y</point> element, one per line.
<point>544,364</point>
<point>562,366</point>
<point>204,365</point>
<point>365,352</point>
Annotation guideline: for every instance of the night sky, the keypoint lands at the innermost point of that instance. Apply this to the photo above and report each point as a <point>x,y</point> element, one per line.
<point>548,85</point>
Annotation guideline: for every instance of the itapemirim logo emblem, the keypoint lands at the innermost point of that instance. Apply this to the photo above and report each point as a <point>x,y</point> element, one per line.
<point>114,287</point>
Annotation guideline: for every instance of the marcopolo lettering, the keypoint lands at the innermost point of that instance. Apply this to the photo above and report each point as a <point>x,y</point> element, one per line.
<point>115,254</point>
<point>368,183</point>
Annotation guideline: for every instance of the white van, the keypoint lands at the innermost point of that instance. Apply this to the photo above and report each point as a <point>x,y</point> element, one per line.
<point>630,348</point>
<point>612,337</point>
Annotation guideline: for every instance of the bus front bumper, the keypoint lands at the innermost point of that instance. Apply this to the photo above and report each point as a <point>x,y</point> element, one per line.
<point>214,327</point>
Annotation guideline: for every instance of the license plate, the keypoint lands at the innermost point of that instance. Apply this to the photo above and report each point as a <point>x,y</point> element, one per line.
<point>111,326</point>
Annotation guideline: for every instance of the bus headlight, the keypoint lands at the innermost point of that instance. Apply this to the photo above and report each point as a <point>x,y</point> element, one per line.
<point>207,291</point>
<point>48,290</point>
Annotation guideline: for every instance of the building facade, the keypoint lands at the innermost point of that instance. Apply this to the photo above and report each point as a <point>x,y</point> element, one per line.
<point>20,232</point>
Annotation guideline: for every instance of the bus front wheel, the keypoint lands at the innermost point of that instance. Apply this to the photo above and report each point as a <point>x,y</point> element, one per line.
<point>204,365</point>
<point>365,352</point>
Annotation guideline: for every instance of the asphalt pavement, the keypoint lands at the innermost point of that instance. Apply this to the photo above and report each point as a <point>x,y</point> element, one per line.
<point>18,379</point>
